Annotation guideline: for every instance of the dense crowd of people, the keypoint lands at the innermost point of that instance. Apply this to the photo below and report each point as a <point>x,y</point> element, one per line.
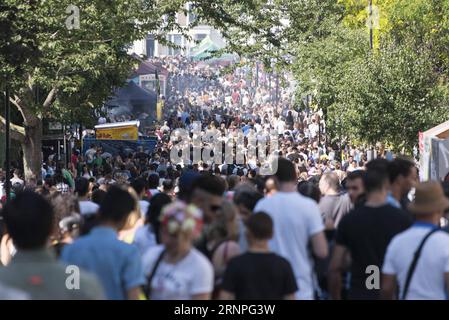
<point>138,225</point>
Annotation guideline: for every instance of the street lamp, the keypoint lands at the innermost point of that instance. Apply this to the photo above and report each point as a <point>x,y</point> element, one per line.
<point>371,44</point>
<point>373,21</point>
<point>277,88</point>
<point>320,116</point>
<point>257,74</point>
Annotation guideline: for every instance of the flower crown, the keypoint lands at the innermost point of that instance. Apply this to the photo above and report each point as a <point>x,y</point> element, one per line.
<point>178,216</point>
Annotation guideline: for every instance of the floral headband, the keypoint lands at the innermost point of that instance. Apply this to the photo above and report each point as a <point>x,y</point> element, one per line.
<point>179,216</point>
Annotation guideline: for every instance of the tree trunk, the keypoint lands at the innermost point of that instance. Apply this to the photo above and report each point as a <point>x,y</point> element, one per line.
<point>32,150</point>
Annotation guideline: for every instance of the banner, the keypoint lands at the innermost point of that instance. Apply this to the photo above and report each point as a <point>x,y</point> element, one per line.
<point>121,133</point>
<point>434,159</point>
<point>443,159</point>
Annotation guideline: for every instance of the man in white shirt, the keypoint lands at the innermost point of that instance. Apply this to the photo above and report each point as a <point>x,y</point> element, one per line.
<point>87,207</point>
<point>430,278</point>
<point>90,154</point>
<point>165,127</point>
<point>280,126</point>
<point>297,221</point>
<point>16,178</point>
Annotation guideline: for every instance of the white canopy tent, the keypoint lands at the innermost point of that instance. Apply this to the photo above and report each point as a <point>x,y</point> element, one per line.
<point>434,152</point>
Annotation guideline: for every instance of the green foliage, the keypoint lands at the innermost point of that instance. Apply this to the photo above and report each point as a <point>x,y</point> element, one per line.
<point>40,53</point>
<point>388,94</point>
<point>389,98</point>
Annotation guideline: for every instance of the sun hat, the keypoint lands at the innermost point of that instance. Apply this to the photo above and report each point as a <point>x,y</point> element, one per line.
<point>429,198</point>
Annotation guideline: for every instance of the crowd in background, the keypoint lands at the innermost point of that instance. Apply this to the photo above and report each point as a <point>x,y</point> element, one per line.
<point>139,226</point>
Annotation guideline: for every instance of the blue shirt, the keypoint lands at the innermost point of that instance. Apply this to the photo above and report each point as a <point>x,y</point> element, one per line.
<point>117,264</point>
<point>392,201</point>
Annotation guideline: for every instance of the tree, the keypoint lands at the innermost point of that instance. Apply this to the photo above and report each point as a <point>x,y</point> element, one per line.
<point>383,95</point>
<point>389,98</point>
<point>79,54</point>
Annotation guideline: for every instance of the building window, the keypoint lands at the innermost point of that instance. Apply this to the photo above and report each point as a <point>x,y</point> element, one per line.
<point>177,40</point>
<point>149,46</point>
<point>200,36</point>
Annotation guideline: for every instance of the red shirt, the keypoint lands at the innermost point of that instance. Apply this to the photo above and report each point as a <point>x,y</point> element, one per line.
<point>235,97</point>
<point>74,159</point>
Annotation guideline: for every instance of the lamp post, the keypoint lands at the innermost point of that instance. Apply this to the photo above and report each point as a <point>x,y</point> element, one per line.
<point>277,88</point>
<point>269,87</point>
<point>257,74</point>
<point>371,24</point>
<point>320,116</point>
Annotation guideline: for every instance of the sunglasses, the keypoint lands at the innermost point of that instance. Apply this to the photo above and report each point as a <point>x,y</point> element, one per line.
<point>214,208</point>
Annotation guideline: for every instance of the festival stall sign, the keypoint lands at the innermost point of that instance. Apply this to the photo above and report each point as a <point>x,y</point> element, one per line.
<point>118,131</point>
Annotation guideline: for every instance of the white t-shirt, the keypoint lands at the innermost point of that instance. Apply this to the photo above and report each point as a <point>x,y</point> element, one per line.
<point>154,192</point>
<point>88,207</point>
<point>103,180</point>
<point>2,190</point>
<point>192,275</point>
<point>428,279</point>
<point>313,128</point>
<point>90,153</point>
<point>296,219</point>
<point>144,239</point>
<point>17,180</point>
<point>280,125</point>
<point>144,205</point>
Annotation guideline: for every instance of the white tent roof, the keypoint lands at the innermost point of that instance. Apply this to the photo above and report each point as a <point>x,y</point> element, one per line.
<point>441,131</point>
<point>118,125</point>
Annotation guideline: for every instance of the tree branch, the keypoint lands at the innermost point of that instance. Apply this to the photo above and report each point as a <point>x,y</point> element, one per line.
<point>18,103</point>
<point>17,132</point>
<point>50,98</point>
<point>28,117</point>
<point>96,41</point>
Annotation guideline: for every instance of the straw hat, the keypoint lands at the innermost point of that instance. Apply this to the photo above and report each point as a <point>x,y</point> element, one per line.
<point>429,198</point>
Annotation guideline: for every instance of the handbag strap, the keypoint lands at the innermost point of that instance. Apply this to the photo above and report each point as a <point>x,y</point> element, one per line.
<point>147,288</point>
<point>412,267</point>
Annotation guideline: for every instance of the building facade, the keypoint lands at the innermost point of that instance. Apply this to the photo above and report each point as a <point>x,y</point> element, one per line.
<point>151,47</point>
